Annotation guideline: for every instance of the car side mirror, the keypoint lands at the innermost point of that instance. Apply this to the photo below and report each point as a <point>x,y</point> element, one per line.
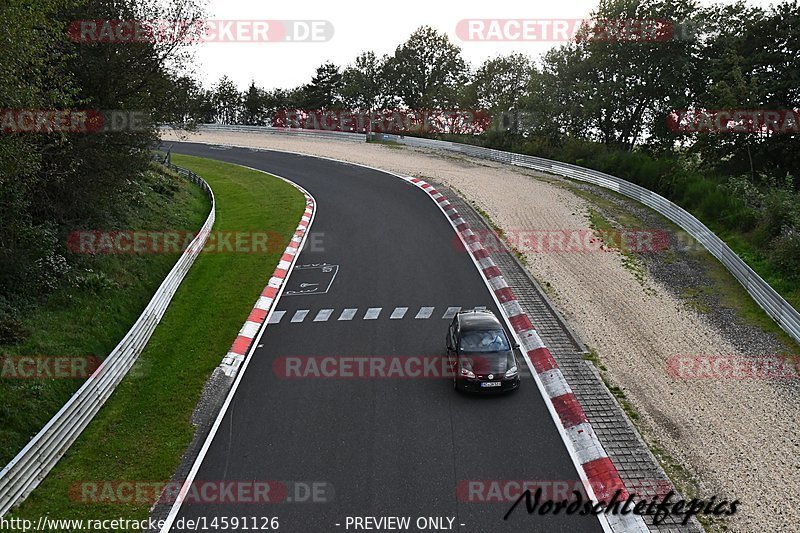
<point>516,346</point>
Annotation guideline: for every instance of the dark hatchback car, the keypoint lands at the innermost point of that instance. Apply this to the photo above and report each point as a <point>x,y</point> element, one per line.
<point>481,354</point>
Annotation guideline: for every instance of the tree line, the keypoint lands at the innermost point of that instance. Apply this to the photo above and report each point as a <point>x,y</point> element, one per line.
<point>613,92</point>
<point>52,182</point>
<point>603,103</point>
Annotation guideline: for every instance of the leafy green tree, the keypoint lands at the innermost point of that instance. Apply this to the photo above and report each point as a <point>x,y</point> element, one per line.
<point>254,106</point>
<point>324,91</point>
<point>615,89</point>
<point>364,86</point>
<point>501,82</point>
<point>188,104</point>
<point>52,183</point>
<point>427,71</point>
<point>750,61</point>
<point>227,101</point>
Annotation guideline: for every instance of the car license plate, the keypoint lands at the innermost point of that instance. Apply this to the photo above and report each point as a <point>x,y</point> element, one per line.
<point>490,384</point>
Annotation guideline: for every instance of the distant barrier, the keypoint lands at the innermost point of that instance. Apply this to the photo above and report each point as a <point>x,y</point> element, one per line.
<point>294,132</point>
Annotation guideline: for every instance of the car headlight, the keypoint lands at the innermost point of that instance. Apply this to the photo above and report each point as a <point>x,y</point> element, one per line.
<point>466,372</point>
<point>511,372</point>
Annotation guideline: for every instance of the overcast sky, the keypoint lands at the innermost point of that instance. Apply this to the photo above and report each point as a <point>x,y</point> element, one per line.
<point>364,25</point>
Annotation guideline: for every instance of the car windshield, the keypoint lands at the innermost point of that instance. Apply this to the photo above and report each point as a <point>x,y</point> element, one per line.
<point>493,340</point>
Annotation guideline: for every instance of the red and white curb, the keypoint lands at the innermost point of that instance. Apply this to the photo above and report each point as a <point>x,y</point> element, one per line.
<point>235,356</point>
<point>238,358</point>
<point>594,465</point>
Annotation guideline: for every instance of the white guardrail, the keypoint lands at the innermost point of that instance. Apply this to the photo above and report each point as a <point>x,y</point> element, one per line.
<point>293,132</point>
<point>37,458</point>
<point>786,316</point>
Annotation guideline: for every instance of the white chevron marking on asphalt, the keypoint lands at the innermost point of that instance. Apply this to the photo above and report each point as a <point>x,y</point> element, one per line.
<point>398,313</point>
<point>348,314</point>
<point>451,312</point>
<point>323,315</point>
<point>424,312</point>
<point>372,313</point>
<point>300,315</point>
<point>276,317</point>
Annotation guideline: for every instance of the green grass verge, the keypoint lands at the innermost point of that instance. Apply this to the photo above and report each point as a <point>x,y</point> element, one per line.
<point>96,303</point>
<point>145,427</point>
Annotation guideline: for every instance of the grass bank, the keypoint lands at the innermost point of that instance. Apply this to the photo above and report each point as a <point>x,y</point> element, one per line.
<point>145,427</point>
<point>92,307</point>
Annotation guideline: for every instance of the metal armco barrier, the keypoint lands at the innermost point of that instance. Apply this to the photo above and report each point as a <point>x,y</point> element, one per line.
<point>295,132</point>
<point>37,458</point>
<point>786,316</point>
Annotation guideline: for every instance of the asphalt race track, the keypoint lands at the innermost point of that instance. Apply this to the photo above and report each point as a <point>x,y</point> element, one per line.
<point>375,447</point>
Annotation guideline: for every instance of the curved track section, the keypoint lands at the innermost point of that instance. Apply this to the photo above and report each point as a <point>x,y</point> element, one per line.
<point>377,277</point>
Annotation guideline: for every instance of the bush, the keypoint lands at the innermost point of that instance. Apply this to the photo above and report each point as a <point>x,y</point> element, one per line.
<point>96,282</point>
<point>11,329</point>
<point>785,253</point>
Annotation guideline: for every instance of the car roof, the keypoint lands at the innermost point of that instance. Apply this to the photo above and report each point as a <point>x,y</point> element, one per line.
<point>478,319</point>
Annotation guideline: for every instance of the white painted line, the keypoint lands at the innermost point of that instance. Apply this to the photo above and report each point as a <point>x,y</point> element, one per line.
<point>398,313</point>
<point>510,308</point>
<point>323,315</point>
<point>348,314</point>
<point>276,317</point>
<point>372,313</point>
<point>424,312</point>
<point>451,312</point>
<point>300,315</point>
